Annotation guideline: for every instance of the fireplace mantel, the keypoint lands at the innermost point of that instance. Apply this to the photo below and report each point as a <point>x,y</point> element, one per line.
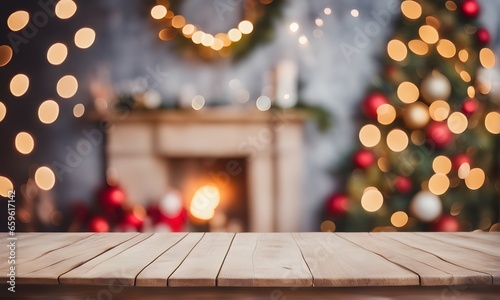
<point>140,144</point>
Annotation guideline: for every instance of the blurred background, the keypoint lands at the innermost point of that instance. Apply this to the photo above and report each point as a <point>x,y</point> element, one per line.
<point>241,115</point>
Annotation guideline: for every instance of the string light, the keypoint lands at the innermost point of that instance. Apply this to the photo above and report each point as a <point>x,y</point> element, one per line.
<point>428,34</point>
<point>441,165</point>
<point>57,54</point>
<point>245,27</point>
<point>48,112</point>
<point>487,58</point>
<point>303,40</point>
<point>408,92</point>
<point>3,111</point>
<point>18,20</point>
<point>263,103</point>
<point>439,110</point>
<point>84,38</point>
<point>294,27</point>
<point>198,102</point>
<point>386,114</point>
<point>372,199</point>
<point>411,9</point>
<point>399,219</point>
<point>492,122</point>
<point>67,86</point>
<point>5,55</point>
<point>439,184</point>
<point>397,140</point>
<point>397,50</point>
<point>327,11</point>
<point>65,9</point>
<point>158,12</point>
<point>446,48</point>
<point>475,179</point>
<point>44,178</point>
<point>318,22</point>
<point>6,186</point>
<point>24,143</point>
<point>78,110</point>
<point>19,85</point>
<point>355,13</point>
<point>369,135</point>
<point>418,47</point>
<point>457,122</point>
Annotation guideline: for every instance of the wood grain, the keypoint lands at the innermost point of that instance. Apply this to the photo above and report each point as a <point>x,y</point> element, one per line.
<point>202,265</point>
<point>481,245</point>
<point>489,236</point>
<point>80,274</point>
<point>158,272</point>
<point>264,259</point>
<point>333,261</point>
<point>459,275</point>
<point>48,267</point>
<point>459,256</point>
<point>123,268</point>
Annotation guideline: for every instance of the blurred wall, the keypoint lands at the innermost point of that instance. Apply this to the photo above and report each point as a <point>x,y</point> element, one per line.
<point>127,46</point>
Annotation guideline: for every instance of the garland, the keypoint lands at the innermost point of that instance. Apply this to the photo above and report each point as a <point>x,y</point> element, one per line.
<point>255,28</point>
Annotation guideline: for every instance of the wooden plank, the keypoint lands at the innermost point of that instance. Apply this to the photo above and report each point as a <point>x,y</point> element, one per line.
<point>264,259</point>
<point>428,274</point>
<point>481,245</point>
<point>78,275</point>
<point>123,268</point>
<point>489,236</point>
<point>459,256</point>
<point>30,246</point>
<point>47,268</point>
<point>459,275</point>
<point>333,261</point>
<point>201,266</point>
<point>157,273</point>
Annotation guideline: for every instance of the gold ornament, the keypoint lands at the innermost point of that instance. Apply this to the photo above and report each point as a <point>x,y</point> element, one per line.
<point>416,115</point>
<point>435,87</point>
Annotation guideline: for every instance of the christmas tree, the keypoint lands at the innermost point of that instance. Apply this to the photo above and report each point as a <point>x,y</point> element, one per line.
<point>428,157</point>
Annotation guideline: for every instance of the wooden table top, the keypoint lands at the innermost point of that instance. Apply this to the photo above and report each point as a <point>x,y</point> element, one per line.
<point>256,259</point>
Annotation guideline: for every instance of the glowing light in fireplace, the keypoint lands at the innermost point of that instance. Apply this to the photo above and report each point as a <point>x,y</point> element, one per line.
<point>204,202</point>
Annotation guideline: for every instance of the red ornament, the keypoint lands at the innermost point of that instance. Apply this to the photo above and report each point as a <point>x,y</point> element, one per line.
<point>470,8</point>
<point>131,221</point>
<point>483,36</point>
<point>439,134</point>
<point>111,198</point>
<point>403,185</point>
<point>469,106</point>
<point>371,104</point>
<point>175,223</point>
<point>98,224</point>
<point>447,223</point>
<point>459,160</point>
<point>364,158</point>
<point>337,205</point>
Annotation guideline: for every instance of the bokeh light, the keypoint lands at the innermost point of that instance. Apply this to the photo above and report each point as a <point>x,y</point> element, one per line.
<point>328,226</point>
<point>411,9</point>
<point>463,55</point>
<point>67,86</point>
<point>5,186</point>
<point>397,140</point>
<point>19,85</point>
<point>439,110</point>
<point>372,199</point>
<point>84,38</point>
<point>399,219</point>
<point>245,26</point>
<point>441,165</point>
<point>457,122</point>
<point>439,184</point>
<point>475,179</point>
<point>397,50</point>
<point>369,135</point>
<point>446,48</point>
<point>198,102</point>
<point>492,122</point>
<point>48,111</point>
<point>5,55</point>
<point>18,20</point>
<point>78,110</point>
<point>65,9</point>
<point>3,111</point>
<point>24,143</point>
<point>418,47</point>
<point>234,35</point>
<point>45,178</point>
<point>158,12</point>
<point>428,34</point>
<point>408,92</point>
<point>487,58</point>
<point>263,103</point>
<point>386,114</point>
<point>57,53</point>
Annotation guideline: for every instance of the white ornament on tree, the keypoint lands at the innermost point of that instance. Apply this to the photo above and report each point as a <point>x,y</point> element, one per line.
<point>435,86</point>
<point>426,206</point>
<point>171,205</point>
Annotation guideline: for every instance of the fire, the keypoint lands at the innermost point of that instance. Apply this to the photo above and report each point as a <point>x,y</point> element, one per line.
<point>204,202</point>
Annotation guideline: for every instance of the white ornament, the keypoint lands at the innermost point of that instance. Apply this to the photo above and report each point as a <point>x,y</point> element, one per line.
<point>435,87</point>
<point>426,206</point>
<point>152,99</point>
<point>171,205</point>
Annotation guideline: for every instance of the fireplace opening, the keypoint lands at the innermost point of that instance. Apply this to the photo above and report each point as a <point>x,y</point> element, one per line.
<point>214,190</point>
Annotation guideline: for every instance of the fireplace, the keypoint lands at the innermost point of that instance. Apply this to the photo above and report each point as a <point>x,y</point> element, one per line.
<point>245,164</point>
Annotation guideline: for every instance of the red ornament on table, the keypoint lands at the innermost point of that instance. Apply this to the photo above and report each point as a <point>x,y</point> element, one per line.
<point>470,8</point>
<point>439,134</point>
<point>459,160</point>
<point>98,224</point>
<point>372,103</point>
<point>364,158</point>
<point>337,205</point>
<point>469,106</point>
<point>483,36</point>
<point>403,185</point>
<point>447,223</point>
<point>111,198</point>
